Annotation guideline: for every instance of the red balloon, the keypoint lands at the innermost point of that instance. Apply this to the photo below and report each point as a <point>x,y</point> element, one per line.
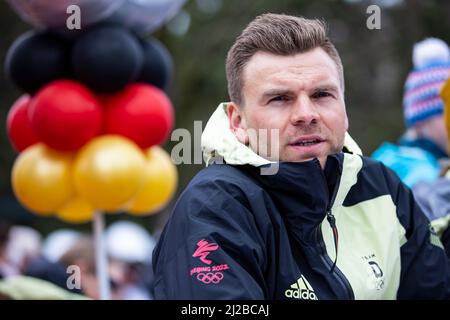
<point>18,124</point>
<point>141,112</point>
<point>65,115</point>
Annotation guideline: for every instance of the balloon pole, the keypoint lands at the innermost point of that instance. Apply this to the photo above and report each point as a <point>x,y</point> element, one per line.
<point>101,258</point>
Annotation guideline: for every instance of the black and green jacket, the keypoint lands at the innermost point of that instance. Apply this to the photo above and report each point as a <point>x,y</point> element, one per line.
<point>350,231</point>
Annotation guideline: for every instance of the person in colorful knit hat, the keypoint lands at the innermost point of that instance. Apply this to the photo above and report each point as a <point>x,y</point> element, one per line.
<point>422,150</point>
<point>434,197</point>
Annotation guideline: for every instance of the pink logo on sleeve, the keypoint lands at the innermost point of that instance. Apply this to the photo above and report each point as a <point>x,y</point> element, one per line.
<point>204,249</point>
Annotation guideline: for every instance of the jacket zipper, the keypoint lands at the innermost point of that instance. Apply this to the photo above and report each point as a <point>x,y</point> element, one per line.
<point>319,238</point>
<point>332,221</point>
<point>331,265</point>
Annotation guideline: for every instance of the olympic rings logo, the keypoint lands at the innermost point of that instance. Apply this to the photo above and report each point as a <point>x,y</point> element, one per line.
<point>210,277</point>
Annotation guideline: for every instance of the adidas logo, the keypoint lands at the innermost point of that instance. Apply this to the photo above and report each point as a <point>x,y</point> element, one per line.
<point>301,290</point>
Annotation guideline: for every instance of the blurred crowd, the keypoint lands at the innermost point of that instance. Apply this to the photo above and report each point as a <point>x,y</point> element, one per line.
<point>62,264</point>
<point>420,157</point>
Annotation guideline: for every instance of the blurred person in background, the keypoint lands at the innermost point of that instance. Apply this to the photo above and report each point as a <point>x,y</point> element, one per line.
<point>19,245</point>
<point>421,156</point>
<point>130,248</point>
<point>24,271</point>
<point>82,255</point>
<point>58,242</point>
<point>47,265</point>
<point>422,151</point>
<point>23,246</point>
<point>434,197</point>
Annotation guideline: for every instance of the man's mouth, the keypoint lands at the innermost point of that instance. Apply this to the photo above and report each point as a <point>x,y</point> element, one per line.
<point>307,141</point>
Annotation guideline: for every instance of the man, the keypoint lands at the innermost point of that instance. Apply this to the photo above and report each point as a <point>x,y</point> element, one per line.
<point>422,149</point>
<point>328,224</point>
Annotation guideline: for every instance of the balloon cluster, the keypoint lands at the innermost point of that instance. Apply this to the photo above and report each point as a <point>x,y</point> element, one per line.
<point>105,57</point>
<point>94,113</point>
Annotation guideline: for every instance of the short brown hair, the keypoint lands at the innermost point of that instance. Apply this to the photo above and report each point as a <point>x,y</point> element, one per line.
<point>277,34</point>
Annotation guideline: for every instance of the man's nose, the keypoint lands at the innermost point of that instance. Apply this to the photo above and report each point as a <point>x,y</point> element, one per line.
<point>304,111</point>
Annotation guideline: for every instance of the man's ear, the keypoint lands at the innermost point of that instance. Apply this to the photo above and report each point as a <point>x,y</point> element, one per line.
<point>238,124</point>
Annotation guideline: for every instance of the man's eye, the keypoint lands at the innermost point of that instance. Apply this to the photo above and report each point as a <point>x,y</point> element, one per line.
<point>321,94</point>
<point>279,98</point>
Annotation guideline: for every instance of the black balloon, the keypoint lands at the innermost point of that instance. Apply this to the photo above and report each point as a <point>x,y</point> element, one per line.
<point>107,58</point>
<point>158,65</point>
<point>36,59</point>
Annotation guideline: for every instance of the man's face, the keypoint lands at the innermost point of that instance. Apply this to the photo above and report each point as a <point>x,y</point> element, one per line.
<point>300,95</point>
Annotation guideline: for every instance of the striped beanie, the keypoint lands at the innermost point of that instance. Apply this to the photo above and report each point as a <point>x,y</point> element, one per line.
<point>421,100</point>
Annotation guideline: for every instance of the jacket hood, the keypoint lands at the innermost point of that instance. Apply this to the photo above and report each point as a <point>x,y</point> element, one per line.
<point>219,141</point>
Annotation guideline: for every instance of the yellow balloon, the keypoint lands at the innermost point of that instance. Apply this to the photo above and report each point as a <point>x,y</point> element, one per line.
<point>108,172</point>
<point>41,179</point>
<point>445,94</point>
<point>160,183</point>
<point>76,210</point>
